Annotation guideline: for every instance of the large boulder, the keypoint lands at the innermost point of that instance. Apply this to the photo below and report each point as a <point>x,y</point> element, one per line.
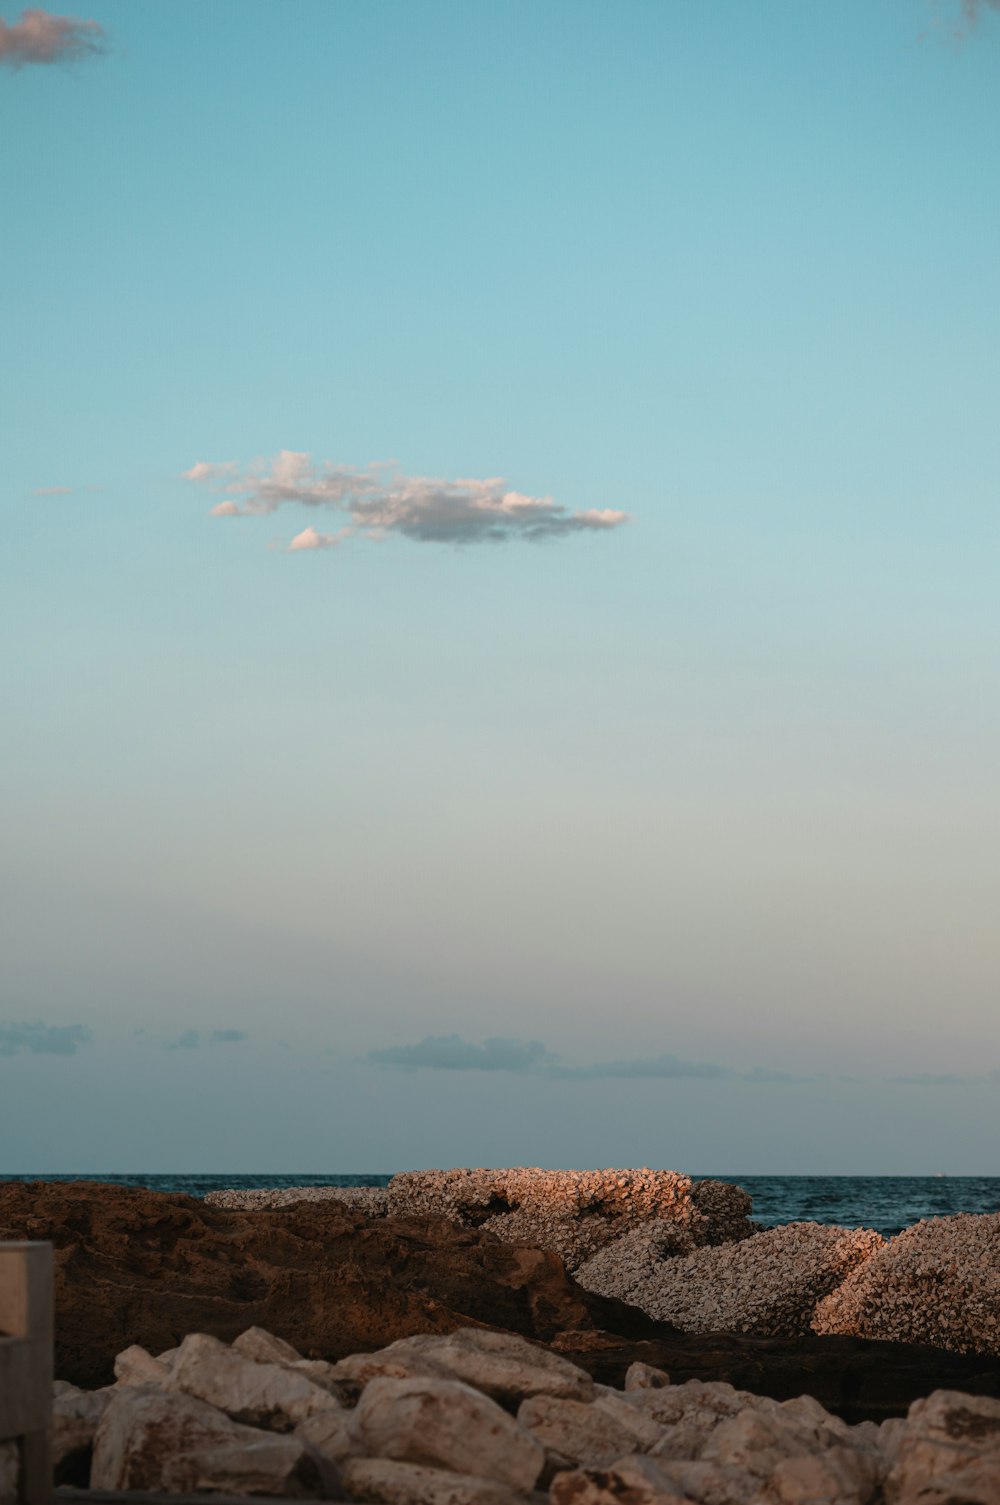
<point>140,1267</point>
<point>948,1453</point>
<point>769,1284</point>
<point>150,1440</point>
<point>576,1213</point>
<point>446,1424</point>
<point>937,1282</point>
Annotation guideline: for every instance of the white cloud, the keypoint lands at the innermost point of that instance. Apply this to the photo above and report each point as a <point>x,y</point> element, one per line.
<point>380,502</point>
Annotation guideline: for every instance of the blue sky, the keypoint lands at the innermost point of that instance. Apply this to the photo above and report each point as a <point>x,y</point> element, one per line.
<point>706,775</point>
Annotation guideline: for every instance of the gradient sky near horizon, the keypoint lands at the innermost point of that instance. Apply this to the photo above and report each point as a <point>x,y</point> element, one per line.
<point>667,839</point>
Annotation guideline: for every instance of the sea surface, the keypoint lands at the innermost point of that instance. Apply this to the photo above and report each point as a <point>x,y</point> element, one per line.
<point>887,1203</point>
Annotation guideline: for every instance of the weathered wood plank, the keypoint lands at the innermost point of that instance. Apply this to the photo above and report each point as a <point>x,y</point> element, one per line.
<point>26,1322</point>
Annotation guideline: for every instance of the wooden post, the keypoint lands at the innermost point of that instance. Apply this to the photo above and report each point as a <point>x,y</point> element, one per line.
<point>26,1334</point>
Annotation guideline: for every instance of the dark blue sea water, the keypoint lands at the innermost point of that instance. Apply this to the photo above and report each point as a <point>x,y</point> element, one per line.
<point>888,1203</point>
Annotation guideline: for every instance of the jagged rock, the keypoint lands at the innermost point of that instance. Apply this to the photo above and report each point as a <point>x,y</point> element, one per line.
<point>333,1433</point>
<point>373,1200</point>
<point>446,1424</point>
<point>709,1482</point>
<point>264,1348</point>
<point>382,1481</point>
<point>502,1365</point>
<point>325,1278</point>
<point>632,1481</point>
<point>836,1477</point>
<point>948,1453</point>
<point>937,1282</point>
<point>75,1415</point>
<point>258,1394</point>
<point>150,1440</point>
<point>769,1284</point>
<point>574,1433</point>
<point>576,1213</point>
<point>857,1378</point>
<point>136,1366</point>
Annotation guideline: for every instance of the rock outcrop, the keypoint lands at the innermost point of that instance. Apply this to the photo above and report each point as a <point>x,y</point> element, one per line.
<point>769,1284</point>
<point>140,1267</point>
<point>570,1213</point>
<point>937,1283</point>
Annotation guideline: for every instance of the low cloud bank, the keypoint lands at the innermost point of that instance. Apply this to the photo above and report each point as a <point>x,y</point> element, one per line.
<point>40,37</point>
<point>43,1039</point>
<point>193,1039</point>
<point>452,1053</point>
<point>380,503</point>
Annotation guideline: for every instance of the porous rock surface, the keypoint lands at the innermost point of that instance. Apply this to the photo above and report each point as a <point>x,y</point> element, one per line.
<point>325,1277</point>
<point>571,1213</point>
<point>769,1284</point>
<point>937,1283</point>
<point>437,1440</point>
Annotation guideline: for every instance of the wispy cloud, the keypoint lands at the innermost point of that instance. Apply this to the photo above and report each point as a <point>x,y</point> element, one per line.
<point>53,491</point>
<point>193,1039</point>
<point>43,1039</point>
<point>947,1079</point>
<point>452,1053</point>
<point>40,37</point>
<point>972,10</point>
<point>380,502</point>
<point>663,1067</point>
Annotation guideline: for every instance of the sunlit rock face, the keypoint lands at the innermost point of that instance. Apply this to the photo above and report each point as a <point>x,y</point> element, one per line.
<point>936,1283</point>
<point>576,1213</point>
<point>569,1213</point>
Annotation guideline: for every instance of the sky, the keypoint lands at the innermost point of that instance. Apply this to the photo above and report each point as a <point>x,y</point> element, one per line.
<point>499,586</point>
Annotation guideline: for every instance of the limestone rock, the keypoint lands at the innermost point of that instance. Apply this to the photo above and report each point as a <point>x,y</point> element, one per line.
<point>264,1348</point>
<point>769,1284</point>
<point>949,1452</point>
<point>937,1283</point>
<point>333,1433</point>
<point>502,1365</point>
<point>446,1424</point>
<point>575,1213</point>
<point>838,1476</point>
<point>710,1483</point>
<point>574,1433</point>
<point>641,1376</point>
<point>150,1440</point>
<point>75,1417</point>
<point>135,1366</point>
<point>259,1395</point>
<point>632,1481</point>
<point>382,1481</point>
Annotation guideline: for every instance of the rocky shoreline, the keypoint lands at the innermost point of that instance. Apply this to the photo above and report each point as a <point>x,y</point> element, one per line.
<point>171,1312</point>
<point>476,1417</point>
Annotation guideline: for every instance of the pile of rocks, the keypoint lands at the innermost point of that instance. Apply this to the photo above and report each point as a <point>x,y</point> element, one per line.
<point>570,1213</point>
<point>481,1418</point>
<point>770,1284</point>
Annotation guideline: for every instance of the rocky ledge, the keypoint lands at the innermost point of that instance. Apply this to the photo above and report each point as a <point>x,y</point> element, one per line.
<point>482,1418</point>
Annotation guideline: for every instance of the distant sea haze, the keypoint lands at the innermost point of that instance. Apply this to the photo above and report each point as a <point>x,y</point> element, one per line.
<point>886,1203</point>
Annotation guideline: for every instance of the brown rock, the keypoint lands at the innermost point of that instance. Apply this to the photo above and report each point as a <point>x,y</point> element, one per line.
<point>632,1481</point>
<point>325,1278</point>
<point>576,1433</point>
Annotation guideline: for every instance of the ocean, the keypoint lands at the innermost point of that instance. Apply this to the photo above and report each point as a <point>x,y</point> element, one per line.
<point>886,1203</point>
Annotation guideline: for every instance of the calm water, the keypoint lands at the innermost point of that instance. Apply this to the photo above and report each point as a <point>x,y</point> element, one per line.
<point>887,1203</point>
